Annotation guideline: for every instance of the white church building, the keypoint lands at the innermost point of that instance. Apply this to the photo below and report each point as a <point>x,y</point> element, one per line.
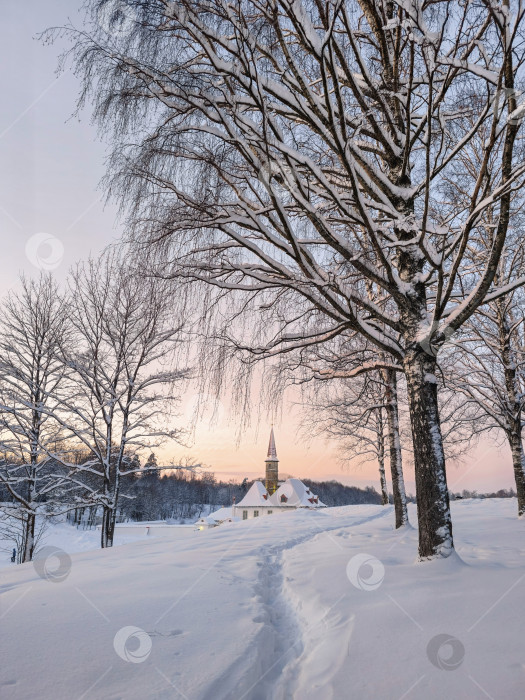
<point>274,496</point>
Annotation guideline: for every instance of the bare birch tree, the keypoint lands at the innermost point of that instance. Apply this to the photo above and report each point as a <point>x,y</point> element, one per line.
<point>34,325</point>
<point>489,367</point>
<point>300,147</point>
<point>120,380</point>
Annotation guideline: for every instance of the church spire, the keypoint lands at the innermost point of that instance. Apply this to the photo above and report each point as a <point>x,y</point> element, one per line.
<point>272,466</point>
<point>272,451</point>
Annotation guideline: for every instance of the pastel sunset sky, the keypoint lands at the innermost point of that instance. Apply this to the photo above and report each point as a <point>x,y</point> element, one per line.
<point>50,167</point>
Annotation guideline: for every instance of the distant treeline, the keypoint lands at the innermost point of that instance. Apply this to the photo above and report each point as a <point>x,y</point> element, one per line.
<point>184,495</point>
<point>333,493</point>
<point>502,493</point>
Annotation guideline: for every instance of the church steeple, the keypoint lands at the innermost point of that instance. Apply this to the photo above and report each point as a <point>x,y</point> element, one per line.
<point>272,451</point>
<point>272,466</point>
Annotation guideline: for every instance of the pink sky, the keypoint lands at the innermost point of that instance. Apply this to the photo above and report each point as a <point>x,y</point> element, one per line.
<point>487,468</point>
<point>50,167</point>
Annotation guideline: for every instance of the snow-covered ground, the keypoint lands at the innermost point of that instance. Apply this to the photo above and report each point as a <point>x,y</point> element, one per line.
<point>325,604</point>
<point>71,539</point>
<point>74,539</point>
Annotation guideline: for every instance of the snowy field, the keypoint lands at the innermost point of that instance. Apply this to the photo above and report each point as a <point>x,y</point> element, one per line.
<point>69,539</point>
<point>327,604</point>
<point>75,539</point>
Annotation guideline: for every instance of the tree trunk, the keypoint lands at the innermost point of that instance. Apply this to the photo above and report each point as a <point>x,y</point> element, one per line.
<point>109,518</point>
<point>106,513</point>
<point>106,538</point>
<point>108,526</point>
<point>28,538</point>
<point>518,462</point>
<point>381,458</point>
<point>433,508</point>
<point>513,401</point>
<point>92,518</point>
<point>111,527</point>
<point>394,442</point>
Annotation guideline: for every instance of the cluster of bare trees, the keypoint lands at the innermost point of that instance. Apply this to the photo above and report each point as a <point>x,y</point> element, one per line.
<point>342,170</point>
<point>489,364</point>
<point>86,383</point>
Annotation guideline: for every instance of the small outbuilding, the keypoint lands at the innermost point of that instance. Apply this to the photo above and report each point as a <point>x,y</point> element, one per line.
<point>223,515</point>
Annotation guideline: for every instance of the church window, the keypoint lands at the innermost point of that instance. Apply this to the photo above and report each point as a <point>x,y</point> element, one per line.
<point>255,513</point>
<point>245,515</point>
<point>270,512</point>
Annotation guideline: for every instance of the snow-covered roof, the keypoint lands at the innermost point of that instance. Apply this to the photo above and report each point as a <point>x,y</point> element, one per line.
<point>217,517</point>
<point>221,514</point>
<point>295,494</point>
<point>256,496</point>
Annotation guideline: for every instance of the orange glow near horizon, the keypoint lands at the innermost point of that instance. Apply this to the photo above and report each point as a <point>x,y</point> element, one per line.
<point>215,444</point>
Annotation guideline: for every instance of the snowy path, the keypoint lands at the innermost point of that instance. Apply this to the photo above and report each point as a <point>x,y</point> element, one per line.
<point>282,623</point>
<point>277,608</point>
